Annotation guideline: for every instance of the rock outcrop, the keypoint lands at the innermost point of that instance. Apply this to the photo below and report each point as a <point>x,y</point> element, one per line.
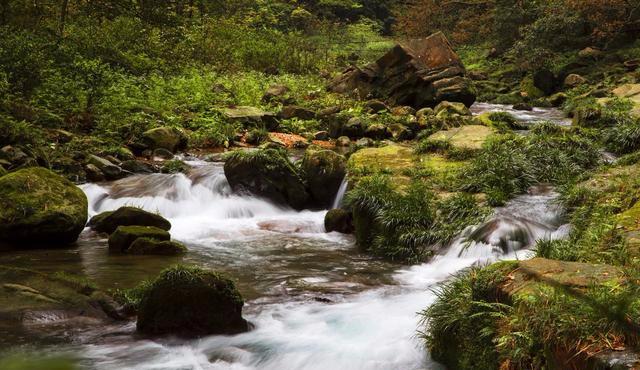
<point>416,73</point>
<point>38,206</point>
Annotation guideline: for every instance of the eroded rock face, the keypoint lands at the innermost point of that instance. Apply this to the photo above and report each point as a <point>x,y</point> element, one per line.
<point>191,302</point>
<point>417,74</point>
<point>36,205</point>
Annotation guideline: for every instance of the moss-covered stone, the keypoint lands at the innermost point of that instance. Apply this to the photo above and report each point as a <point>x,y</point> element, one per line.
<point>168,138</point>
<point>191,302</point>
<point>108,222</point>
<point>24,290</point>
<point>447,109</point>
<point>465,137</point>
<point>3,171</point>
<point>267,173</point>
<point>338,220</point>
<point>324,171</point>
<point>124,236</point>
<point>155,247</point>
<point>38,206</point>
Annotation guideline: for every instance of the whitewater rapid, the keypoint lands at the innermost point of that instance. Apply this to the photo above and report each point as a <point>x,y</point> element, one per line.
<point>371,329</point>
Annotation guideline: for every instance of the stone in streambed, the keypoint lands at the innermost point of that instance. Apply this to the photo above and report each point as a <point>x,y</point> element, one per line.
<point>168,138</point>
<point>338,220</point>
<point>191,302</point>
<point>36,205</point>
<point>324,171</point>
<point>108,222</point>
<point>121,239</point>
<point>151,246</point>
<point>267,173</point>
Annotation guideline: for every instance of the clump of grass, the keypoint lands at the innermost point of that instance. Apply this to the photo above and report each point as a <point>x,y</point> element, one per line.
<point>439,146</point>
<point>407,226</point>
<point>508,164</point>
<point>474,324</point>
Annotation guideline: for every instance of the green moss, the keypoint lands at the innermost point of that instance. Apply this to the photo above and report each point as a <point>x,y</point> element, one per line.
<point>124,236</point>
<point>36,205</point>
<point>175,166</point>
<point>530,89</point>
<point>148,246</point>
<point>465,137</point>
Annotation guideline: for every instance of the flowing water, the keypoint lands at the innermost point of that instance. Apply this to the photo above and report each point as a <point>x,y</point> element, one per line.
<point>554,115</point>
<point>315,301</point>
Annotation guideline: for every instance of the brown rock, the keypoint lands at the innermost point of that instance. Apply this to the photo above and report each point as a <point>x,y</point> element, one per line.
<point>419,73</point>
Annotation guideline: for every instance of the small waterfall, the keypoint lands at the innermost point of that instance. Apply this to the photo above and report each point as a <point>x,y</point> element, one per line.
<point>201,206</point>
<point>337,202</point>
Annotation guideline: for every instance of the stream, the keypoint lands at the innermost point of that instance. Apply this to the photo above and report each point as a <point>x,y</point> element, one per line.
<point>315,300</point>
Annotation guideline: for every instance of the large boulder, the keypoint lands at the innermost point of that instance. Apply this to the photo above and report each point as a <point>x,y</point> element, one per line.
<point>418,73</point>
<point>464,137</point>
<point>295,111</point>
<point>191,302</point>
<point>108,222</point>
<point>38,206</point>
<point>124,236</point>
<point>266,173</point>
<point>168,138</point>
<point>324,171</point>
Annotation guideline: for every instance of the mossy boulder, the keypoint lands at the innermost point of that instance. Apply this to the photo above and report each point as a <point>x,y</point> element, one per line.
<point>38,206</point>
<point>191,302</point>
<point>267,173</point>
<point>447,109</point>
<point>169,138</point>
<point>108,222</point>
<point>465,137</point>
<point>3,171</point>
<point>155,247</point>
<point>122,238</point>
<point>376,131</point>
<point>338,220</point>
<point>324,171</point>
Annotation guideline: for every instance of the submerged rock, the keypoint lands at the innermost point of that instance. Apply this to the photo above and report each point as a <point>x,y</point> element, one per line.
<point>108,222</point>
<point>418,73</point>
<point>324,171</point>
<point>38,206</point>
<point>156,247</point>
<point>191,302</point>
<point>266,173</point>
<point>25,291</point>
<point>122,238</point>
